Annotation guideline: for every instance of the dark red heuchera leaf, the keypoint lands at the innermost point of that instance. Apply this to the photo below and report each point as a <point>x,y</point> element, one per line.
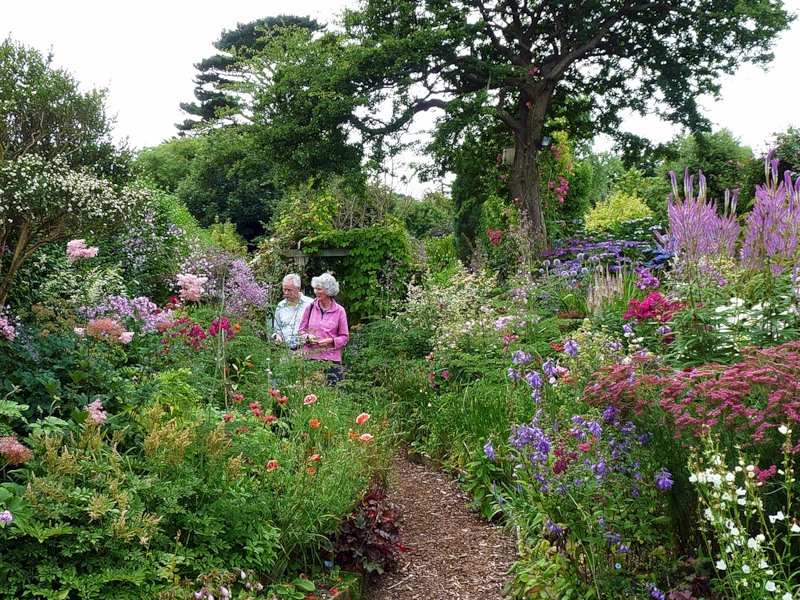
<point>369,540</point>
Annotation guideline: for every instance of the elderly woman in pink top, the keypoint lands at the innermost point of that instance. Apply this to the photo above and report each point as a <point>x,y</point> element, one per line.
<point>323,327</point>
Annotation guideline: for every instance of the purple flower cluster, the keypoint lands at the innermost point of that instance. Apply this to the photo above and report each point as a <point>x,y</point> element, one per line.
<point>137,312</point>
<point>243,292</point>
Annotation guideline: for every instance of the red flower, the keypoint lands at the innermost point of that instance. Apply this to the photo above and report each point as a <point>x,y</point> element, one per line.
<point>238,397</point>
<point>270,419</point>
<point>282,400</point>
<point>257,412</point>
<point>314,457</point>
<point>366,437</point>
<point>314,423</point>
<point>272,465</point>
<point>362,418</point>
<point>310,399</point>
<point>275,393</point>
<point>228,417</point>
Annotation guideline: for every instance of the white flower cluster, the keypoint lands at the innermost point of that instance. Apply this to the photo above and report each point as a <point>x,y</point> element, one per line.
<point>35,190</point>
<point>732,506</point>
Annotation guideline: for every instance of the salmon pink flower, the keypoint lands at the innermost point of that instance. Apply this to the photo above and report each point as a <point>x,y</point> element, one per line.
<point>362,418</point>
<point>314,457</point>
<point>314,423</point>
<point>270,419</point>
<point>272,465</point>
<point>238,397</point>
<point>366,437</point>
<point>275,393</point>
<point>310,399</point>
<point>282,400</point>
<point>228,417</point>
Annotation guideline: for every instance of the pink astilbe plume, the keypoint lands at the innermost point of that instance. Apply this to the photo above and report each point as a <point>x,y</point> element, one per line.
<point>191,287</point>
<point>13,451</point>
<point>78,249</point>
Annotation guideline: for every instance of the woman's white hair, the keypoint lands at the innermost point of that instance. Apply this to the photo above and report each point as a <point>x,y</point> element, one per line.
<point>327,282</point>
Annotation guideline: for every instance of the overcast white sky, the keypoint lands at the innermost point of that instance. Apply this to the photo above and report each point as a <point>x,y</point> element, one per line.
<point>144,53</point>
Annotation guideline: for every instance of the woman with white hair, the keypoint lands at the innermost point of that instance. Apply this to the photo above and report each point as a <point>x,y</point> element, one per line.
<point>324,329</point>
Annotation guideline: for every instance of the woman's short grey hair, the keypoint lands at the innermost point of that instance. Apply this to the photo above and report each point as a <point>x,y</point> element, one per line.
<point>327,282</point>
<point>292,278</point>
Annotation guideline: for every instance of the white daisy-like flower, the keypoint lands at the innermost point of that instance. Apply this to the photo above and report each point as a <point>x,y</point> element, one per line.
<point>745,568</point>
<point>795,528</point>
<point>770,586</point>
<point>783,429</point>
<point>721,566</point>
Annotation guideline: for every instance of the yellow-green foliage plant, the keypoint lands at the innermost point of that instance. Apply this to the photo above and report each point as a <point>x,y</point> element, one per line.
<point>615,210</point>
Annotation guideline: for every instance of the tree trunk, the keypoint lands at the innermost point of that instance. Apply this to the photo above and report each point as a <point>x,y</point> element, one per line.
<point>524,186</point>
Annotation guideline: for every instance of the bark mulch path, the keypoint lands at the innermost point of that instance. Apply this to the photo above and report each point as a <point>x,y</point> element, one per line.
<point>452,552</point>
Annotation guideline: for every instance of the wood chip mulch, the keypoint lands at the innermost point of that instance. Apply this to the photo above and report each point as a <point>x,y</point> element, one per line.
<point>452,552</point>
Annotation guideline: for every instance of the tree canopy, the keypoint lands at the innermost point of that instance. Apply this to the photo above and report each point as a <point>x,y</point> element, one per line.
<point>522,62</point>
<point>218,72</point>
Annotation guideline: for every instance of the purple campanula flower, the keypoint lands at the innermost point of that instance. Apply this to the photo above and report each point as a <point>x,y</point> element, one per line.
<point>536,394</point>
<point>664,480</point>
<point>594,428</point>
<point>627,329</point>
<point>6,517</point>
<point>513,373</point>
<point>534,379</point>
<point>519,357</point>
<point>571,348</point>
<point>489,449</point>
<point>549,368</point>
<point>655,592</point>
<point>610,414</point>
<point>664,329</point>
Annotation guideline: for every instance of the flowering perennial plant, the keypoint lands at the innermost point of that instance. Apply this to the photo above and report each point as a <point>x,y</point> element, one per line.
<point>746,401</point>
<point>13,451</point>
<point>137,312</point>
<point>78,249</point>
<point>752,545</point>
<point>589,476</point>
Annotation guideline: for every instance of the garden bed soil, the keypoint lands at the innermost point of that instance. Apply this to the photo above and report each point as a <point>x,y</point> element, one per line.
<point>452,552</point>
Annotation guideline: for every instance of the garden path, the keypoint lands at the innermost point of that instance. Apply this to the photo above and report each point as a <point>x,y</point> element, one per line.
<point>452,552</point>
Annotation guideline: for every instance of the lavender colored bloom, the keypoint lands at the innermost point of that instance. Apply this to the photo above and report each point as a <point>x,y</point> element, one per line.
<point>534,379</point>
<point>549,368</point>
<point>623,548</point>
<point>571,348</point>
<point>664,329</point>
<point>610,414</point>
<point>488,449</point>
<point>613,537</point>
<point>554,527</point>
<point>536,394</point>
<point>6,517</point>
<point>655,592</point>
<point>595,428</point>
<point>513,373</point>
<point>519,357</point>
<point>627,329</point>
<point>664,480</point>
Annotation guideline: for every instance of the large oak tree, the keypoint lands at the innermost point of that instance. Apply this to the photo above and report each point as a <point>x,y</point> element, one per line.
<point>340,94</point>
